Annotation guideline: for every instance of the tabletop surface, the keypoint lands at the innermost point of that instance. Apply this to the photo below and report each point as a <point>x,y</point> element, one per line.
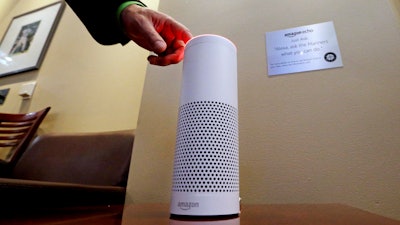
<point>158,214</point>
<point>274,214</point>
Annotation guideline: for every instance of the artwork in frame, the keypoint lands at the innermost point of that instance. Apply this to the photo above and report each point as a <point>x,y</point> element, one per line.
<point>27,38</point>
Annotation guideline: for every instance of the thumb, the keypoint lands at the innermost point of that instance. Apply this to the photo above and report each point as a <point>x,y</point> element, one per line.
<point>158,46</point>
<point>154,41</point>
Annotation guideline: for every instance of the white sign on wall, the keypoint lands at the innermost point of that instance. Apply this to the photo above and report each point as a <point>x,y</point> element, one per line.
<point>300,49</point>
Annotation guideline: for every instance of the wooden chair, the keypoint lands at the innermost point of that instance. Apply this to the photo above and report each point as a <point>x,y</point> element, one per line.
<point>16,132</point>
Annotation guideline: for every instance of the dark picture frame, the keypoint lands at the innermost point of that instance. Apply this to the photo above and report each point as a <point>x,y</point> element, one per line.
<point>27,38</point>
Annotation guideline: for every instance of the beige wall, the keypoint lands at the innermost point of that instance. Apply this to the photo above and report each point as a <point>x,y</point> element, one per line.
<point>90,87</point>
<point>396,4</point>
<point>6,6</point>
<point>312,137</point>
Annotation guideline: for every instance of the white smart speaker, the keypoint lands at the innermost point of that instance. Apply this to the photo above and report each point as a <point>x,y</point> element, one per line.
<point>206,163</point>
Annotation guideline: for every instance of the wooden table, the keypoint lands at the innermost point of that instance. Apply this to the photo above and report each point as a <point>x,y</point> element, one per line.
<point>158,214</point>
<point>277,214</point>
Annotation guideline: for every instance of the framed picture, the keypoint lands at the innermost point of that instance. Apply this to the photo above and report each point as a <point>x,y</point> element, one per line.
<point>27,38</point>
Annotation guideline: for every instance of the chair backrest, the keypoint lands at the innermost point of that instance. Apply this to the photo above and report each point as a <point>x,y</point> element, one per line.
<point>16,132</point>
<point>90,158</point>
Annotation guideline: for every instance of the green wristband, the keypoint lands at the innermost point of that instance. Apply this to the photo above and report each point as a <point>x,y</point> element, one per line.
<point>126,4</point>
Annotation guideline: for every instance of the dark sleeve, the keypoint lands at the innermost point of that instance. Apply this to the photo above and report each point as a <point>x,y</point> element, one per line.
<point>99,18</point>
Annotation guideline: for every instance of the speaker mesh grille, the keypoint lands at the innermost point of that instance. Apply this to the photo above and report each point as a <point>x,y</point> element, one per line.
<point>207,148</point>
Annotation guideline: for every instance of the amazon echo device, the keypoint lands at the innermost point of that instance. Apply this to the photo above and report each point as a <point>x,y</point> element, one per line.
<point>206,162</point>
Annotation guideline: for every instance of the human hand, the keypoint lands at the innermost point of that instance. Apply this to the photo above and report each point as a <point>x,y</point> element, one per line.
<point>156,32</point>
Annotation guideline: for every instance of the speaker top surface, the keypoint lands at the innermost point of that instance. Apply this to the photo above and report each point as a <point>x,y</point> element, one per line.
<point>210,38</point>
